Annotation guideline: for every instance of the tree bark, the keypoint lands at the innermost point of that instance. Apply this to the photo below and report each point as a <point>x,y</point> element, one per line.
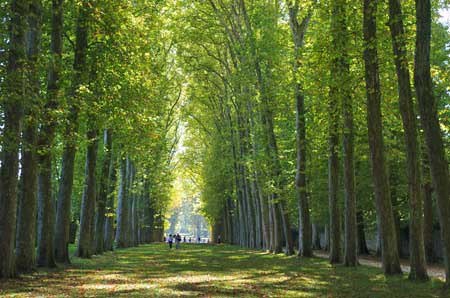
<point>335,102</point>
<point>13,104</point>
<point>430,124</point>
<point>390,258</point>
<point>26,221</point>
<point>109,221</point>
<point>49,122</point>
<point>70,137</point>
<point>103,193</point>
<point>341,72</point>
<point>298,35</point>
<point>416,242</point>
<point>85,239</point>
<point>362,244</point>
<point>122,236</point>
<point>428,213</point>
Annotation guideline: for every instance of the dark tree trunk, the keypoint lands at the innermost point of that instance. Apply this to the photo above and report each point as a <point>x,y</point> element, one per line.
<point>334,104</point>
<point>390,258</point>
<point>416,242</point>
<point>109,220</point>
<point>122,229</point>
<point>327,238</point>
<point>430,124</point>
<point>341,73</point>
<point>298,34</point>
<point>362,244</point>
<point>316,237</point>
<point>26,222</point>
<point>103,193</point>
<point>46,214</point>
<point>277,246</point>
<point>13,104</point>
<point>289,242</point>
<point>428,215</point>
<point>85,239</point>
<point>49,122</point>
<point>70,136</point>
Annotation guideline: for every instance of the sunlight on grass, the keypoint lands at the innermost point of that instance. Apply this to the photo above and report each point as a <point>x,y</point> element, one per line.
<point>211,271</point>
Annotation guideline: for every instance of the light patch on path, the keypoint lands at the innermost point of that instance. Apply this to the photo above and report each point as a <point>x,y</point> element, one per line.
<point>433,271</point>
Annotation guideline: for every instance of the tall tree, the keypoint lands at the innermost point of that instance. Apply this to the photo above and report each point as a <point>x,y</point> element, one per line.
<point>298,35</point>
<point>416,241</point>
<point>430,124</point>
<point>49,120</point>
<point>123,221</point>
<point>26,222</point>
<point>13,105</point>
<point>333,137</point>
<point>103,193</point>
<point>80,74</point>
<point>85,239</point>
<point>385,216</point>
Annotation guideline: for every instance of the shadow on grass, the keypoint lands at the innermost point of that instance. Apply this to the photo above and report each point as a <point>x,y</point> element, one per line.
<point>211,271</point>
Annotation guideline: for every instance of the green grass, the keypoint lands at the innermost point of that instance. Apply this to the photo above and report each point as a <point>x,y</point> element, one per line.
<point>211,271</point>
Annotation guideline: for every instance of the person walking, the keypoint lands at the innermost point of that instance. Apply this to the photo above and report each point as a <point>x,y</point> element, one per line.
<point>177,241</point>
<point>170,240</point>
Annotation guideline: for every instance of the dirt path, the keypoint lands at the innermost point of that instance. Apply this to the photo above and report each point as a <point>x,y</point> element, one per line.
<point>433,270</point>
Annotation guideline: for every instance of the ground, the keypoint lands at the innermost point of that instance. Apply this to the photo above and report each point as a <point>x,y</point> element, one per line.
<point>212,271</point>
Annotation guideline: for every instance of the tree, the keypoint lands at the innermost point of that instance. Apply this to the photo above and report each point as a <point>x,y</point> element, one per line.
<point>26,221</point>
<point>385,217</point>
<point>417,248</point>
<point>13,105</point>
<point>430,124</point>
<point>298,35</point>
<point>80,73</point>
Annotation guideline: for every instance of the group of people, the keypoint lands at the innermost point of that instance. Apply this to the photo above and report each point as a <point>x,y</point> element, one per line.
<point>177,239</point>
<point>174,238</point>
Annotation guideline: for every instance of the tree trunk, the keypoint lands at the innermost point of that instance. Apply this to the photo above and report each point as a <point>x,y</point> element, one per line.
<point>390,258</point>
<point>109,221</point>
<point>70,137</point>
<point>84,249</point>
<point>416,242</point>
<point>289,242</point>
<point>362,244</point>
<point>327,238</point>
<point>341,72</point>
<point>298,34</point>
<point>316,237</point>
<point>103,193</point>
<point>430,124</point>
<point>334,104</point>
<point>122,236</point>
<point>49,122</point>
<point>428,215</point>
<point>13,104</point>
<point>26,221</point>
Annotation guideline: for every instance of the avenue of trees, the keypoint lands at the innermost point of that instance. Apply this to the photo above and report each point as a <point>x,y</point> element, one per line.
<point>305,125</point>
<point>88,128</point>
<point>321,118</point>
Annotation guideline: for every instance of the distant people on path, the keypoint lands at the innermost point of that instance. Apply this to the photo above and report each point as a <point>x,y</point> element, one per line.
<point>199,240</point>
<point>177,241</point>
<point>190,240</point>
<point>184,239</point>
<point>219,240</point>
<point>170,240</point>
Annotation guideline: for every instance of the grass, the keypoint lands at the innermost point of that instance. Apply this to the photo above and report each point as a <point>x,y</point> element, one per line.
<point>211,271</point>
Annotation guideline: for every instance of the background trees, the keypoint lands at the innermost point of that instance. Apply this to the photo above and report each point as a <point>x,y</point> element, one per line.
<point>261,94</point>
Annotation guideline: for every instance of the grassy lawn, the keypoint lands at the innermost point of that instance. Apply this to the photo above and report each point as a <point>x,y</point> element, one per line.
<point>211,271</point>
